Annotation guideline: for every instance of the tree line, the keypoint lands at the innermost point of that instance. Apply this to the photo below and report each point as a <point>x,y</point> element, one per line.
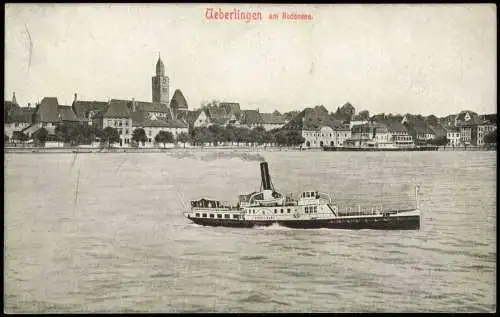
<point>78,134</point>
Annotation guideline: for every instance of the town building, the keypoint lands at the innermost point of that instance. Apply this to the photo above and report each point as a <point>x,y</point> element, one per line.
<point>16,118</point>
<point>453,136</point>
<point>118,116</point>
<point>141,120</point>
<point>272,121</point>
<point>90,112</point>
<point>473,128</point>
<point>251,119</point>
<point>399,134</point>
<point>326,136</point>
<point>383,138</point>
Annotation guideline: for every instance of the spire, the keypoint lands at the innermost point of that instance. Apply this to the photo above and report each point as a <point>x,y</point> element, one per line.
<point>160,68</point>
<point>14,101</point>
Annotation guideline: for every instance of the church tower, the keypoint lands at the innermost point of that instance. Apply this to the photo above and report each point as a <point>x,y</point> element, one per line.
<point>160,84</point>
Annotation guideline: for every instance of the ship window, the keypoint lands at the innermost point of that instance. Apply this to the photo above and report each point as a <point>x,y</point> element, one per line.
<point>219,216</point>
<point>236,216</point>
<point>197,214</point>
<point>226,216</point>
<point>211,215</point>
<point>288,210</point>
<point>204,215</point>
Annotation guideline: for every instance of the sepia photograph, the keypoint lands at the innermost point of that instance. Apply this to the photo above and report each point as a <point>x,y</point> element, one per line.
<point>250,158</point>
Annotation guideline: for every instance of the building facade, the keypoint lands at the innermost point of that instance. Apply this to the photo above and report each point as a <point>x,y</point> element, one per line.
<point>453,136</point>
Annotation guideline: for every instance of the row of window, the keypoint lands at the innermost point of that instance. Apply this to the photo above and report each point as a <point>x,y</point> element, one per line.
<point>118,123</point>
<point>311,210</point>
<point>288,210</point>
<point>219,216</point>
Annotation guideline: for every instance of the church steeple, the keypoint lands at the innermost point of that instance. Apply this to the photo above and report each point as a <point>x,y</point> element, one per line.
<point>160,68</point>
<point>14,101</point>
<point>160,84</point>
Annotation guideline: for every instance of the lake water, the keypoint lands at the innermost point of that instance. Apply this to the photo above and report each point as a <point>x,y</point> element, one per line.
<point>105,233</point>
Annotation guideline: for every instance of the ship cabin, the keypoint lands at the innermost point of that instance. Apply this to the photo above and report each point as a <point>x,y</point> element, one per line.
<point>313,197</point>
<point>215,209</point>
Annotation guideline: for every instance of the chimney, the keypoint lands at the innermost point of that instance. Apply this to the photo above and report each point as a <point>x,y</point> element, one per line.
<point>29,104</point>
<point>133,104</point>
<point>75,97</point>
<point>264,173</point>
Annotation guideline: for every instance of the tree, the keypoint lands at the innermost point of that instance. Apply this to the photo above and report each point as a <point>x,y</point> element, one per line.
<point>40,136</point>
<point>364,115</point>
<point>491,137</point>
<point>110,135</point>
<point>201,135</point>
<point>163,137</point>
<point>184,138</point>
<point>259,135</point>
<point>294,137</point>
<point>63,133</point>
<point>439,140</point>
<point>139,135</point>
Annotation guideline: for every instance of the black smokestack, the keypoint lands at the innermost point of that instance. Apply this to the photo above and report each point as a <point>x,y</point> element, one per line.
<point>264,173</point>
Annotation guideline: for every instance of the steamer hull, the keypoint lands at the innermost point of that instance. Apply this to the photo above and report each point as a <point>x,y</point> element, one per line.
<point>393,222</point>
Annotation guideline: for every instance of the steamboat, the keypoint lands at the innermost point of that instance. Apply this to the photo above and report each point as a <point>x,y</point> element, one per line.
<point>310,210</point>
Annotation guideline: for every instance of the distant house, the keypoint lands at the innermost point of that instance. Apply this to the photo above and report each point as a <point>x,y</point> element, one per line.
<point>18,119</point>
<point>68,116</point>
<point>272,121</point>
<point>90,112</point>
<point>217,116</point>
<point>362,134</point>
<point>473,128</point>
<point>383,138</point>
<point>251,119</point>
<point>118,116</point>
<point>141,120</point>
<point>47,113</point>
<point>195,118</point>
<point>453,135</point>
<point>399,133</point>
<point>231,108</point>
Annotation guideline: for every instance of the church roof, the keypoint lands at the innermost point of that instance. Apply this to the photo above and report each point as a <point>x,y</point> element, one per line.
<point>160,68</point>
<point>178,101</point>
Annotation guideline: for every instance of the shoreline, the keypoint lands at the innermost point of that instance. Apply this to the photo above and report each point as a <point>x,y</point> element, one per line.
<point>82,150</point>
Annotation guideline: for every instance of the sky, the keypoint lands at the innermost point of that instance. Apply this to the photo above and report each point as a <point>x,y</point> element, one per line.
<point>427,59</point>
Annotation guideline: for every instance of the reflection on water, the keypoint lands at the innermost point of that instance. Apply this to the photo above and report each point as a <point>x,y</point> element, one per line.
<point>124,245</point>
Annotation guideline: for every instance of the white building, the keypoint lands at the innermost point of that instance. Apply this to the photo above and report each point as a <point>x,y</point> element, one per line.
<point>325,136</point>
<point>453,135</point>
